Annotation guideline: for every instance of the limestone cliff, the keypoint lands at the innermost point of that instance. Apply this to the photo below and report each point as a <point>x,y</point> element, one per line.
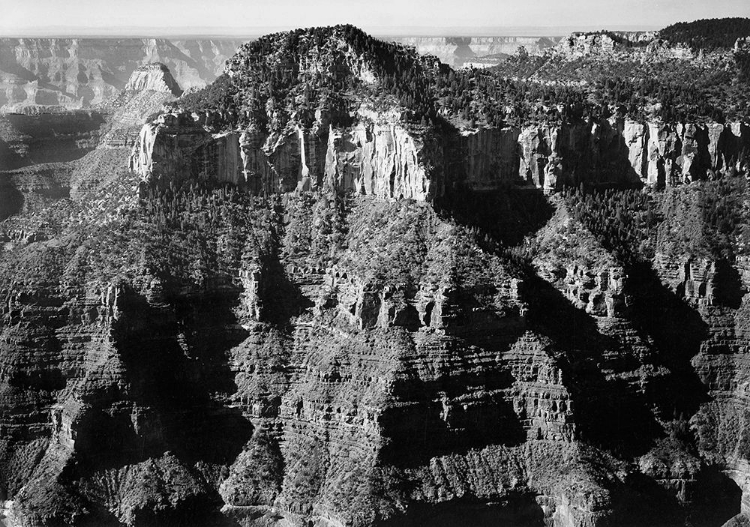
<point>390,160</point>
<point>381,159</point>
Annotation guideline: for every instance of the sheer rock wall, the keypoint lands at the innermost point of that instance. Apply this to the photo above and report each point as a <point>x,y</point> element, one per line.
<point>390,160</point>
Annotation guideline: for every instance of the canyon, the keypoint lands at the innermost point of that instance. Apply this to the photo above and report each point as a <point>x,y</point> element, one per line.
<point>465,51</point>
<point>320,309</point>
<point>76,73</point>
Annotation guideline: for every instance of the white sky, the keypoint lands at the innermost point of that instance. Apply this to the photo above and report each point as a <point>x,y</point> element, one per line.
<point>252,17</point>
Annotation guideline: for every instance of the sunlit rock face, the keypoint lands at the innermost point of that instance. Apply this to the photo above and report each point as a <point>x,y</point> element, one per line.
<point>153,76</point>
<point>390,160</point>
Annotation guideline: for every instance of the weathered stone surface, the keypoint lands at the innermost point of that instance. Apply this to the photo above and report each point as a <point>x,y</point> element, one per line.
<point>387,160</point>
<point>153,76</point>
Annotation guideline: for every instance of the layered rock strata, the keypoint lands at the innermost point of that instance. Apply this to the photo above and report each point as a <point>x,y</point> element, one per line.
<point>390,160</point>
<point>153,76</point>
<point>376,159</point>
<point>82,72</point>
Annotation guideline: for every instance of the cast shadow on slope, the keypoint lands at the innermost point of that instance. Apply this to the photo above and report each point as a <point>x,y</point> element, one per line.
<point>172,418</point>
<point>609,412</point>
<point>622,399</point>
<point>677,331</point>
<point>620,394</point>
<point>501,218</point>
<point>449,415</point>
<point>11,199</point>
<point>175,360</point>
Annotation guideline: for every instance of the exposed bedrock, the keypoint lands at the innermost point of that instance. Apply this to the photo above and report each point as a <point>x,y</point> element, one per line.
<point>132,408</point>
<point>383,160</point>
<point>387,159</point>
<point>382,387</point>
<point>153,76</point>
<point>717,291</point>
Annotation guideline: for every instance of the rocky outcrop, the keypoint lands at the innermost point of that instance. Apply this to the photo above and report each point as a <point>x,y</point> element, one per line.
<point>153,76</point>
<point>381,160</point>
<point>627,152</point>
<point>582,44</point>
<point>374,159</point>
<point>602,45</point>
<point>694,279</point>
<point>388,159</point>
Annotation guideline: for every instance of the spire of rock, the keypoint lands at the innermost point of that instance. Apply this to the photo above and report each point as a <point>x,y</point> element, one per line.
<point>153,76</point>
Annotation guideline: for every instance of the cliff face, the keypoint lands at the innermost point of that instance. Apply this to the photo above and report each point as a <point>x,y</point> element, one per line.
<point>389,160</point>
<point>355,362</point>
<point>153,76</point>
<point>76,73</point>
<point>387,323</point>
<point>384,160</point>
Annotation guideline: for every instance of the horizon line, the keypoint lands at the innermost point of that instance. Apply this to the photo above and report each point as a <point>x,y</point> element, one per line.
<point>255,32</point>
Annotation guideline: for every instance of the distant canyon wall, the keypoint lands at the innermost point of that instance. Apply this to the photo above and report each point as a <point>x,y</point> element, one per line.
<point>82,73</point>
<point>462,51</point>
<point>392,161</point>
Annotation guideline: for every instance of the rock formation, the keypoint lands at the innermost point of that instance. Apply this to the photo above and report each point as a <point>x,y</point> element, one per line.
<point>82,73</point>
<point>542,156</point>
<point>314,309</point>
<point>374,159</point>
<point>463,51</point>
<point>153,76</point>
